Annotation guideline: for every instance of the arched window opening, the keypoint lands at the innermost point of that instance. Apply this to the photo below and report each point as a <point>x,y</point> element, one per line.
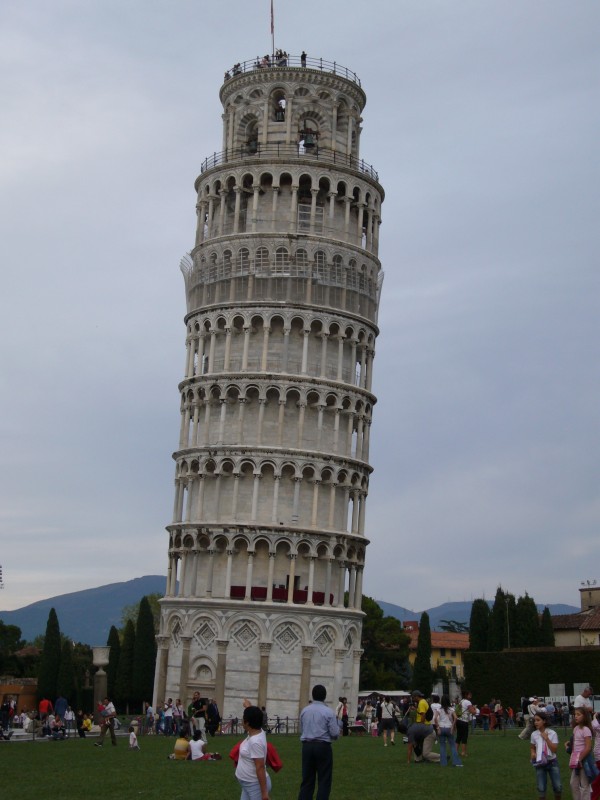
<point>279,104</point>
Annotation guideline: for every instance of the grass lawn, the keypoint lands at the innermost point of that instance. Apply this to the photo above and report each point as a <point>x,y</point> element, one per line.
<point>497,767</point>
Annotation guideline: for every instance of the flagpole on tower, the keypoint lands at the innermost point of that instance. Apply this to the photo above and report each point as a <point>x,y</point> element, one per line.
<point>272,30</point>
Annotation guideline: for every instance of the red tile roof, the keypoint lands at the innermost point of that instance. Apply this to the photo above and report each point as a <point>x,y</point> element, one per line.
<point>456,641</point>
<point>583,621</point>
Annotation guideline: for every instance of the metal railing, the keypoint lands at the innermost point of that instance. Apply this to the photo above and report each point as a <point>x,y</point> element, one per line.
<point>288,151</point>
<point>286,61</point>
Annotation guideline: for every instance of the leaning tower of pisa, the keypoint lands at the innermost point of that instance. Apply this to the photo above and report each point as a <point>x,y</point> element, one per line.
<point>267,543</point>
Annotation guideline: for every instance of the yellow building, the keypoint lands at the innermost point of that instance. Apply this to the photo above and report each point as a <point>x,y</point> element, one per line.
<point>446,649</point>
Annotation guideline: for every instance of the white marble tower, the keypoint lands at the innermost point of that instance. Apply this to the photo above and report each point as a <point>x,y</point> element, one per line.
<point>272,469</point>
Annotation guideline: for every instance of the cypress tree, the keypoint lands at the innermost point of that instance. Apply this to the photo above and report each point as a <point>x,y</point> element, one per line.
<point>66,684</point>
<point>144,654</point>
<point>50,661</point>
<point>479,624</point>
<point>113,661</point>
<point>422,677</point>
<point>502,621</point>
<point>527,625</point>
<point>124,681</point>
<point>546,629</point>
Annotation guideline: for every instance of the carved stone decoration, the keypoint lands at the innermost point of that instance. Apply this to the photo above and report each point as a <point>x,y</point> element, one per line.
<point>245,633</point>
<point>205,632</point>
<point>325,640</point>
<point>287,636</point>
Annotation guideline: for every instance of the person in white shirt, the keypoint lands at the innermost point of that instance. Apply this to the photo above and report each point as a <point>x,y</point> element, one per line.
<point>544,743</point>
<point>251,771</point>
<point>133,742</point>
<point>108,723</point>
<point>583,700</point>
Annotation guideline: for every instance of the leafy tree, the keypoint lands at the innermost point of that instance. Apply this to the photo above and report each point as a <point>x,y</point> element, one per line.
<point>131,612</point>
<point>502,621</point>
<point>423,675</point>
<point>10,642</point>
<point>113,660</point>
<point>66,685</point>
<point>452,626</point>
<point>384,662</point>
<point>144,654</point>
<point>527,623</point>
<point>479,624</point>
<point>50,662</point>
<point>124,681</point>
<point>546,629</point>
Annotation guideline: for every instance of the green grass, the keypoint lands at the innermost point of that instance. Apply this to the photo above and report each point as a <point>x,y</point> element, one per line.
<point>497,767</point>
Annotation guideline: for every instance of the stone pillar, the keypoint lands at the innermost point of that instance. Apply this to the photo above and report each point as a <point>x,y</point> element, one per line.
<point>160,675</point>
<point>221,672</point>
<point>292,576</point>
<point>338,672</point>
<point>356,656</point>
<point>270,577</point>
<point>249,568</point>
<point>185,666</point>
<point>263,675</point>
<point>211,569</point>
<point>228,573</point>
<point>305,677</point>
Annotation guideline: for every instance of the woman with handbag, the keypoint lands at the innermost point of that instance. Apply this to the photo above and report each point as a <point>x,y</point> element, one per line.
<point>389,709</point>
<point>251,771</point>
<point>544,744</point>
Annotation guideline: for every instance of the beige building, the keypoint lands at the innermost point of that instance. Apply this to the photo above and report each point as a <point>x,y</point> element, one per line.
<point>272,469</point>
<point>581,629</point>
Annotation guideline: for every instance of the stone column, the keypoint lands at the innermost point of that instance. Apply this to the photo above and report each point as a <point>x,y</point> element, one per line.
<point>228,574</point>
<point>221,672</point>
<point>305,677</point>
<point>304,367</point>
<point>185,666</point>
<point>160,675</point>
<point>265,349</point>
<point>211,569</point>
<point>311,580</point>
<point>356,656</point>
<point>270,577</point>
<point>249,568</point>
<point>263,675</point>
<point>292,575</point>
<point>275,512</point>
<point>338,672</point>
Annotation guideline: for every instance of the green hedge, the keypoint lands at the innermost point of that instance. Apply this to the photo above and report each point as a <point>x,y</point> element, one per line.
<point>512,674</point>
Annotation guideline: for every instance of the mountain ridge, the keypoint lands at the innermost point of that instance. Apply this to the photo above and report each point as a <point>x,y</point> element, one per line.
<point>87,616</point>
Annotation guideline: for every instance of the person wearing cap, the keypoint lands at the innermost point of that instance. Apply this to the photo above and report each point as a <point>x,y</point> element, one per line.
<point>533,707</point>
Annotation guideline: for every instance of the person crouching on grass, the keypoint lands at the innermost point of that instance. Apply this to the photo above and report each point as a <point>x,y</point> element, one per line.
<point>544,744</point>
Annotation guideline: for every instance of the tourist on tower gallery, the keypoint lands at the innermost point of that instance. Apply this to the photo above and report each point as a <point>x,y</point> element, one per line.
<point>318,728</point>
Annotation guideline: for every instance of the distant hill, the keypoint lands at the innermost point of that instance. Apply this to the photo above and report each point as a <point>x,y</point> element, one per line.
<point>87,616</point>
<point>459,612</point>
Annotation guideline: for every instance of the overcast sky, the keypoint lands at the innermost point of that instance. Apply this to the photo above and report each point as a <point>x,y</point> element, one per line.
<point>482,119</point>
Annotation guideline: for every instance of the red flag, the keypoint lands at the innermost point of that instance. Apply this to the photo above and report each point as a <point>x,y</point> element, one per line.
<point>272,19</point>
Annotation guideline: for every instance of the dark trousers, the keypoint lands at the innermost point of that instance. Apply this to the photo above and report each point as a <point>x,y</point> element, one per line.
<point>317,762</point>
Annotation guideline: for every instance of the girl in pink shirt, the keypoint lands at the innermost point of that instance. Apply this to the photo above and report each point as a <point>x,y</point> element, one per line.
<point>582,747</point>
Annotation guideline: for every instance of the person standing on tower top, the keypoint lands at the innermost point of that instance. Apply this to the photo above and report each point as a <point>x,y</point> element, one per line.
<point>303,59</point>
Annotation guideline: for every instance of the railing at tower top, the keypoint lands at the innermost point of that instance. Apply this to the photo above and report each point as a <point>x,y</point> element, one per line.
<point>300,62</point>
<point>288,151</point>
